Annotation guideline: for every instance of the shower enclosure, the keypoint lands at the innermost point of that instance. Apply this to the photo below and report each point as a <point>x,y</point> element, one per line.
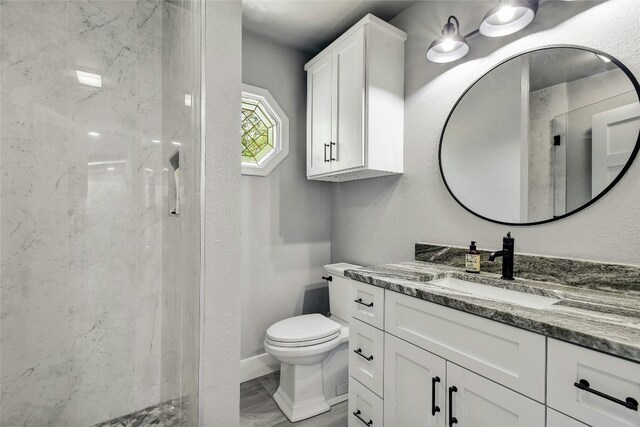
<point>100,164</point>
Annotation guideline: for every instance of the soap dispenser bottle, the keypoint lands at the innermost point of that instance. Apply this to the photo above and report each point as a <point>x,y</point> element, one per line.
<point>472,259</point>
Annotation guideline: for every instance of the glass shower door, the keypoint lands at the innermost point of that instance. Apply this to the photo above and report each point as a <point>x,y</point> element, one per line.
<point>99,281</point>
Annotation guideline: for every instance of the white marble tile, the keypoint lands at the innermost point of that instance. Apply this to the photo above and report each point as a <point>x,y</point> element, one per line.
<point>51,10</point>
<point>149,23</point>
<point>34,261</point>
<point>102,40</point>
<point>41,404</point>
<point>34,76</point>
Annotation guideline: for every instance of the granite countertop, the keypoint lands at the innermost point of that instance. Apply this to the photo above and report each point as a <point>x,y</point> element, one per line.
<point>608,321</point>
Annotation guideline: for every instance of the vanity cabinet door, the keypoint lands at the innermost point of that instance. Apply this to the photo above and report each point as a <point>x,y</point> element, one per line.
<point>366,355</point>
<point>414,385</point>
<point>348,102</point>
<point>319,116</point>
<point>595,388</point>
<point>365,407</point>
<point>556,419</point>
<point>478,402</point>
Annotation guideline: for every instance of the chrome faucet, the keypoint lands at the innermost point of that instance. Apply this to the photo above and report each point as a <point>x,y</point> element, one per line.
<point>508,244</point>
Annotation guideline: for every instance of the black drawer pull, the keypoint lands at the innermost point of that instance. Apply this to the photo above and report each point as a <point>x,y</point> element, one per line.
<point>357,414</point>
<point>327,278</point>
<point>452,420</point>
<point>359,353</point>
<point>629,402</point>
<point>359,301</point>
<point>434,408</point>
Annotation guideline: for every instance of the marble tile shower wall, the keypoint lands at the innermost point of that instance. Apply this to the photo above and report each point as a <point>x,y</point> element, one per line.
<point>83,218</point>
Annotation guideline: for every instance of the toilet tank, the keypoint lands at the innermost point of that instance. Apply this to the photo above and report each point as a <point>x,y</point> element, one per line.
<point>339,289</point>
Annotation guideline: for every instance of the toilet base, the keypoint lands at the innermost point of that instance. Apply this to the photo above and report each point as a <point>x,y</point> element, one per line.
<point>300,411</point>
<point>300,394</point>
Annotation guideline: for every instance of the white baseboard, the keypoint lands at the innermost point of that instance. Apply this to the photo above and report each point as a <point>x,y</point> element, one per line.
<point>257,366</point>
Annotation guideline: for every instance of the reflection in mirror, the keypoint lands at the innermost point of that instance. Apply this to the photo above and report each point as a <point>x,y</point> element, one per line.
<point>541,135</point>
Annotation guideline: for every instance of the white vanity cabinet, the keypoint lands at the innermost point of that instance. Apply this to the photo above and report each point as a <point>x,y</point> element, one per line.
<point>607,382</point>
<point>355,104</point>
<point>430,365</point>
<point>473,400</point>
<point>414,385</point>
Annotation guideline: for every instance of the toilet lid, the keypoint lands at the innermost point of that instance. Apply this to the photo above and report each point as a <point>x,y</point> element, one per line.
<point>307,327</point>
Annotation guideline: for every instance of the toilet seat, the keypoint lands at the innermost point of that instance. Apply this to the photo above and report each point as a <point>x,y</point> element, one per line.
<point>302,331</point>
<point>302,343</point>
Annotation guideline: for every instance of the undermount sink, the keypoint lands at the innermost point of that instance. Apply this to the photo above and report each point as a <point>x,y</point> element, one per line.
<point>495,293</point>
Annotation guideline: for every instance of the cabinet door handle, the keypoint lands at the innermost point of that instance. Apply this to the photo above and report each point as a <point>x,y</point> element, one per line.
<point>629,402</point>
<point>359,353</point>
<point>357,414</point>
<point>452,420</point>
<point>434,408</point>
<point>331,158</point>
<point>325,153</point>
<point>359,301</point>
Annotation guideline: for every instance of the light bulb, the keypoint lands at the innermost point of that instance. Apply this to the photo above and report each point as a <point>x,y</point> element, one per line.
<point>505,14</point>
<point>447,45</point>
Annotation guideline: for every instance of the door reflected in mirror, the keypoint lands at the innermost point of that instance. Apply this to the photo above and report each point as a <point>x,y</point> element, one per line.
<point>541,136</point>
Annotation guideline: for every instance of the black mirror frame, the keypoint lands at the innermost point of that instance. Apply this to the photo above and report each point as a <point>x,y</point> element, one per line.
<point>622,173</point>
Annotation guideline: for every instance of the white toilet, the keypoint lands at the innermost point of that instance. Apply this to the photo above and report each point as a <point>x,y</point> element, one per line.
<point>313,353</point>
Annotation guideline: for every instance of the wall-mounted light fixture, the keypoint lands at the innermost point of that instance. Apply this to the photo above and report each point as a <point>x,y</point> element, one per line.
<point>450,46</point>
<point>507,17</point>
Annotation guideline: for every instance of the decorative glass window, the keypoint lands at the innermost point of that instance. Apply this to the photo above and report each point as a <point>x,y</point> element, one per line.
<point>265,132</point>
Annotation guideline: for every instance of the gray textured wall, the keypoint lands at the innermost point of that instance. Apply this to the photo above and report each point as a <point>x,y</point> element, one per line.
<point>378,220</point>
<point>220,370</point>
<point>286,220</point>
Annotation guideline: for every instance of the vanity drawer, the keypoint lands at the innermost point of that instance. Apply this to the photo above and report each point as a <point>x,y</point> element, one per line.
<point>366,355</point>
<point>615,377</point>
<point>365,407</point>
<point>556,419</point>
<point>367,303</point>
<point>507,355</point>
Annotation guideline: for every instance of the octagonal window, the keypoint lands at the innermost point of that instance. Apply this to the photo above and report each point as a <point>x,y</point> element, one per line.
<point>265,132</point>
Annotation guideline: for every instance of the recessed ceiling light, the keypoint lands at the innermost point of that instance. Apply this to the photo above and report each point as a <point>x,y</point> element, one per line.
<point>187,100</point>
<point>155,141</point>
<point>603,58</point>
<point>508,17</point>
<point>93,133</point>
<point>176,143</point>
<point>111,168</point>
<point>450,46</point>
<point>89,79</point>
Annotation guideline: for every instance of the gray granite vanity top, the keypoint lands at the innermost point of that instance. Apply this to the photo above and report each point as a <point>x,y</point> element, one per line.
<point>605,320</point>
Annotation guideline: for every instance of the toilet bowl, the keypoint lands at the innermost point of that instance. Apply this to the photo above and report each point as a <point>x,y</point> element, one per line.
<point>313,353</point>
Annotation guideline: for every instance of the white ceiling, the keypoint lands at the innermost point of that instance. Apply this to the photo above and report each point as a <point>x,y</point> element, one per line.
<point>310,25</point>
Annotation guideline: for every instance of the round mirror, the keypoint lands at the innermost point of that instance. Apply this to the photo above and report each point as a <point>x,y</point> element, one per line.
<point>541,136</point>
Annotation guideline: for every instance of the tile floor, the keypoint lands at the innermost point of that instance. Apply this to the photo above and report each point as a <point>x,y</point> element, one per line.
<point>161,415</point>
<point>258,409</point>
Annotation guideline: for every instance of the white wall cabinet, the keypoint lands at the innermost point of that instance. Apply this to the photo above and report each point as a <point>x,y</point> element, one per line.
<point>442,367</point>
<point>355,104</point>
